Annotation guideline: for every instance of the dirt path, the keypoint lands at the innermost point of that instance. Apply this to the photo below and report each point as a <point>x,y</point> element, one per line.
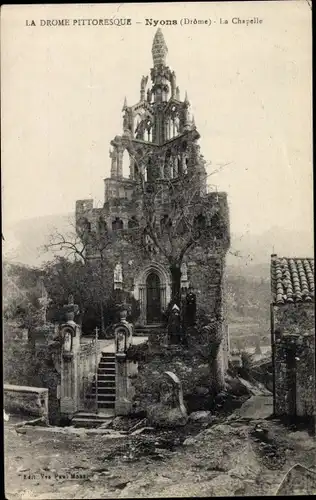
<point>227,459</point>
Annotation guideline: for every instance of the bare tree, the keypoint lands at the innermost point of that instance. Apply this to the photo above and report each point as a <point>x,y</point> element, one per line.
<point>73,245</point>
<point>178,216</point>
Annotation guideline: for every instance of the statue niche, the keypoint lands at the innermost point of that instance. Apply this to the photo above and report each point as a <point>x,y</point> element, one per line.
<point>127,122</point>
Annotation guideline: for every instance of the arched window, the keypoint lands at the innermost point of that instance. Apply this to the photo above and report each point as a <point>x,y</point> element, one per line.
<point>132,222</point>
<point>165,93</point>
<point>150,173</point>
<point>149,131</point>
<point>170,127</point>
<point>200,222</point>
<point>176,123</point>
<point>165,222</point>
<point>180,166</point>
<point>167,169</point>
<point>126,165</point>
<point>139,127</point>
<point>184,146</point>
<point>102,226</point>
<point>84,225</point>
<point>117,224</point>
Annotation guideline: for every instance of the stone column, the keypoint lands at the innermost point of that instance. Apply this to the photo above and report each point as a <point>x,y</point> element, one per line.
<point>142,303</point>
<point>123,391</point>
<point>69,333</point>
<point>163,297</point>
<point>113,157</point>
<point>120,163</point>
<point>69,395</point>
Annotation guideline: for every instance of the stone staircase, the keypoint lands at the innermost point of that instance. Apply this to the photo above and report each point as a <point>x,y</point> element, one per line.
<point>105,385</point>
<point>105,395</point>
<point>91,420</point>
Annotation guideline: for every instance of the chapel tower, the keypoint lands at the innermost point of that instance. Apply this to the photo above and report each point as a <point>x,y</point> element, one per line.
<point>159,140</point>
<point>157,150</point>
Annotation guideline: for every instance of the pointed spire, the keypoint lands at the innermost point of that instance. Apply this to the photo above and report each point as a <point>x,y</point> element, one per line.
<point>186,100</point>
<point>125,104</point>
<point>159,49</point>
<point>193,121</point>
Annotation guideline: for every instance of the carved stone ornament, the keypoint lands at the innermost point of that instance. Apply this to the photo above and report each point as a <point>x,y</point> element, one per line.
<point>67,334</point>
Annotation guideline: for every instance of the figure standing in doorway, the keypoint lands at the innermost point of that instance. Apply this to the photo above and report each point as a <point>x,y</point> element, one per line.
<point>174,326</point>
<point>190,308</point>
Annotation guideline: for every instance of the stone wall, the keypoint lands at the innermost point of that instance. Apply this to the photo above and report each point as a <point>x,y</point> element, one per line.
<point>26,401</point>
<point>24,365</point>
<point>293,349</point>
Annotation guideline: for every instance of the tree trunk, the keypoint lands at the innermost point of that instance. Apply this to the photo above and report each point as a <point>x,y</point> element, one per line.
<point>102,318</point>
<point>175,270</point>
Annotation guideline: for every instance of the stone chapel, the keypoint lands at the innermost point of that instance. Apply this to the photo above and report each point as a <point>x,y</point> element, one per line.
<point>159,144</point>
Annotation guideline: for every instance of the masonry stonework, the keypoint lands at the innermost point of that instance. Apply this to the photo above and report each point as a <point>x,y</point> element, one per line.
<point>158,147</point>
<point>293,337</point>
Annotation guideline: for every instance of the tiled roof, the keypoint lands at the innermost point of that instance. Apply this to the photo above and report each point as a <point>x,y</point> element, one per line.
<point>292,279</point>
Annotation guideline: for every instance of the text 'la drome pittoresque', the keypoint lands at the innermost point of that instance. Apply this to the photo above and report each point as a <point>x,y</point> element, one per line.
<point>147,22</point>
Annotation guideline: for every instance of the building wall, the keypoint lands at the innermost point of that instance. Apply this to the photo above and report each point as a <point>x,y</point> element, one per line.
<point>293,350</point>
<point>205,264</point>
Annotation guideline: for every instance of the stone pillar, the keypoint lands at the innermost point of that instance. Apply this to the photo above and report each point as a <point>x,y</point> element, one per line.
<point>113,157</point>
<point>163,298</point>
<point>142,303</point>
<point>123,394</point>
<point>120,163</point>
<point>69,395</point>
<point>69,335</point>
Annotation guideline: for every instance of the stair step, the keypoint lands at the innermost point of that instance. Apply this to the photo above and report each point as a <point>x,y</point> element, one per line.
<point>108,355</point>
<point>102,397</point>
<point>105,385</point>
<point>106,404</point>
<point>107,366</point>
<point>92,420</point>
<point>87,423</point>
<point>103,390</point>
<point>95,416</point>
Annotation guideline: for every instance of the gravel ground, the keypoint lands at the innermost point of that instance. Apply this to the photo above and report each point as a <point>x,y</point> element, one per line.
<point>237,457</point>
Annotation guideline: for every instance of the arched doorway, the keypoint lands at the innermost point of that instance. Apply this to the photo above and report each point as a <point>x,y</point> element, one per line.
<point>153,294</point>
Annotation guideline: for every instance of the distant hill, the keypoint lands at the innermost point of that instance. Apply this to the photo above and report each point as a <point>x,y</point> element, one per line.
<point>249,255</point>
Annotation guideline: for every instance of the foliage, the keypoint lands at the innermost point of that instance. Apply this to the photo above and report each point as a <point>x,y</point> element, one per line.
<point>246,365</point>
<point>21,304</point>
<point>98,304</point>
<point>248,297</point>
<point>178,214</point>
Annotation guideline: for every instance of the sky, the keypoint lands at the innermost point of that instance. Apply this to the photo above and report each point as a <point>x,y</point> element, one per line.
<point>63,90</point>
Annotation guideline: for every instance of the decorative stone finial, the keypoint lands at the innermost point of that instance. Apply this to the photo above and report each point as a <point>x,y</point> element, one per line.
<point>159,49</point>
<point>125,104</point>
<point>186,100</point>
<point>70,309</point>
